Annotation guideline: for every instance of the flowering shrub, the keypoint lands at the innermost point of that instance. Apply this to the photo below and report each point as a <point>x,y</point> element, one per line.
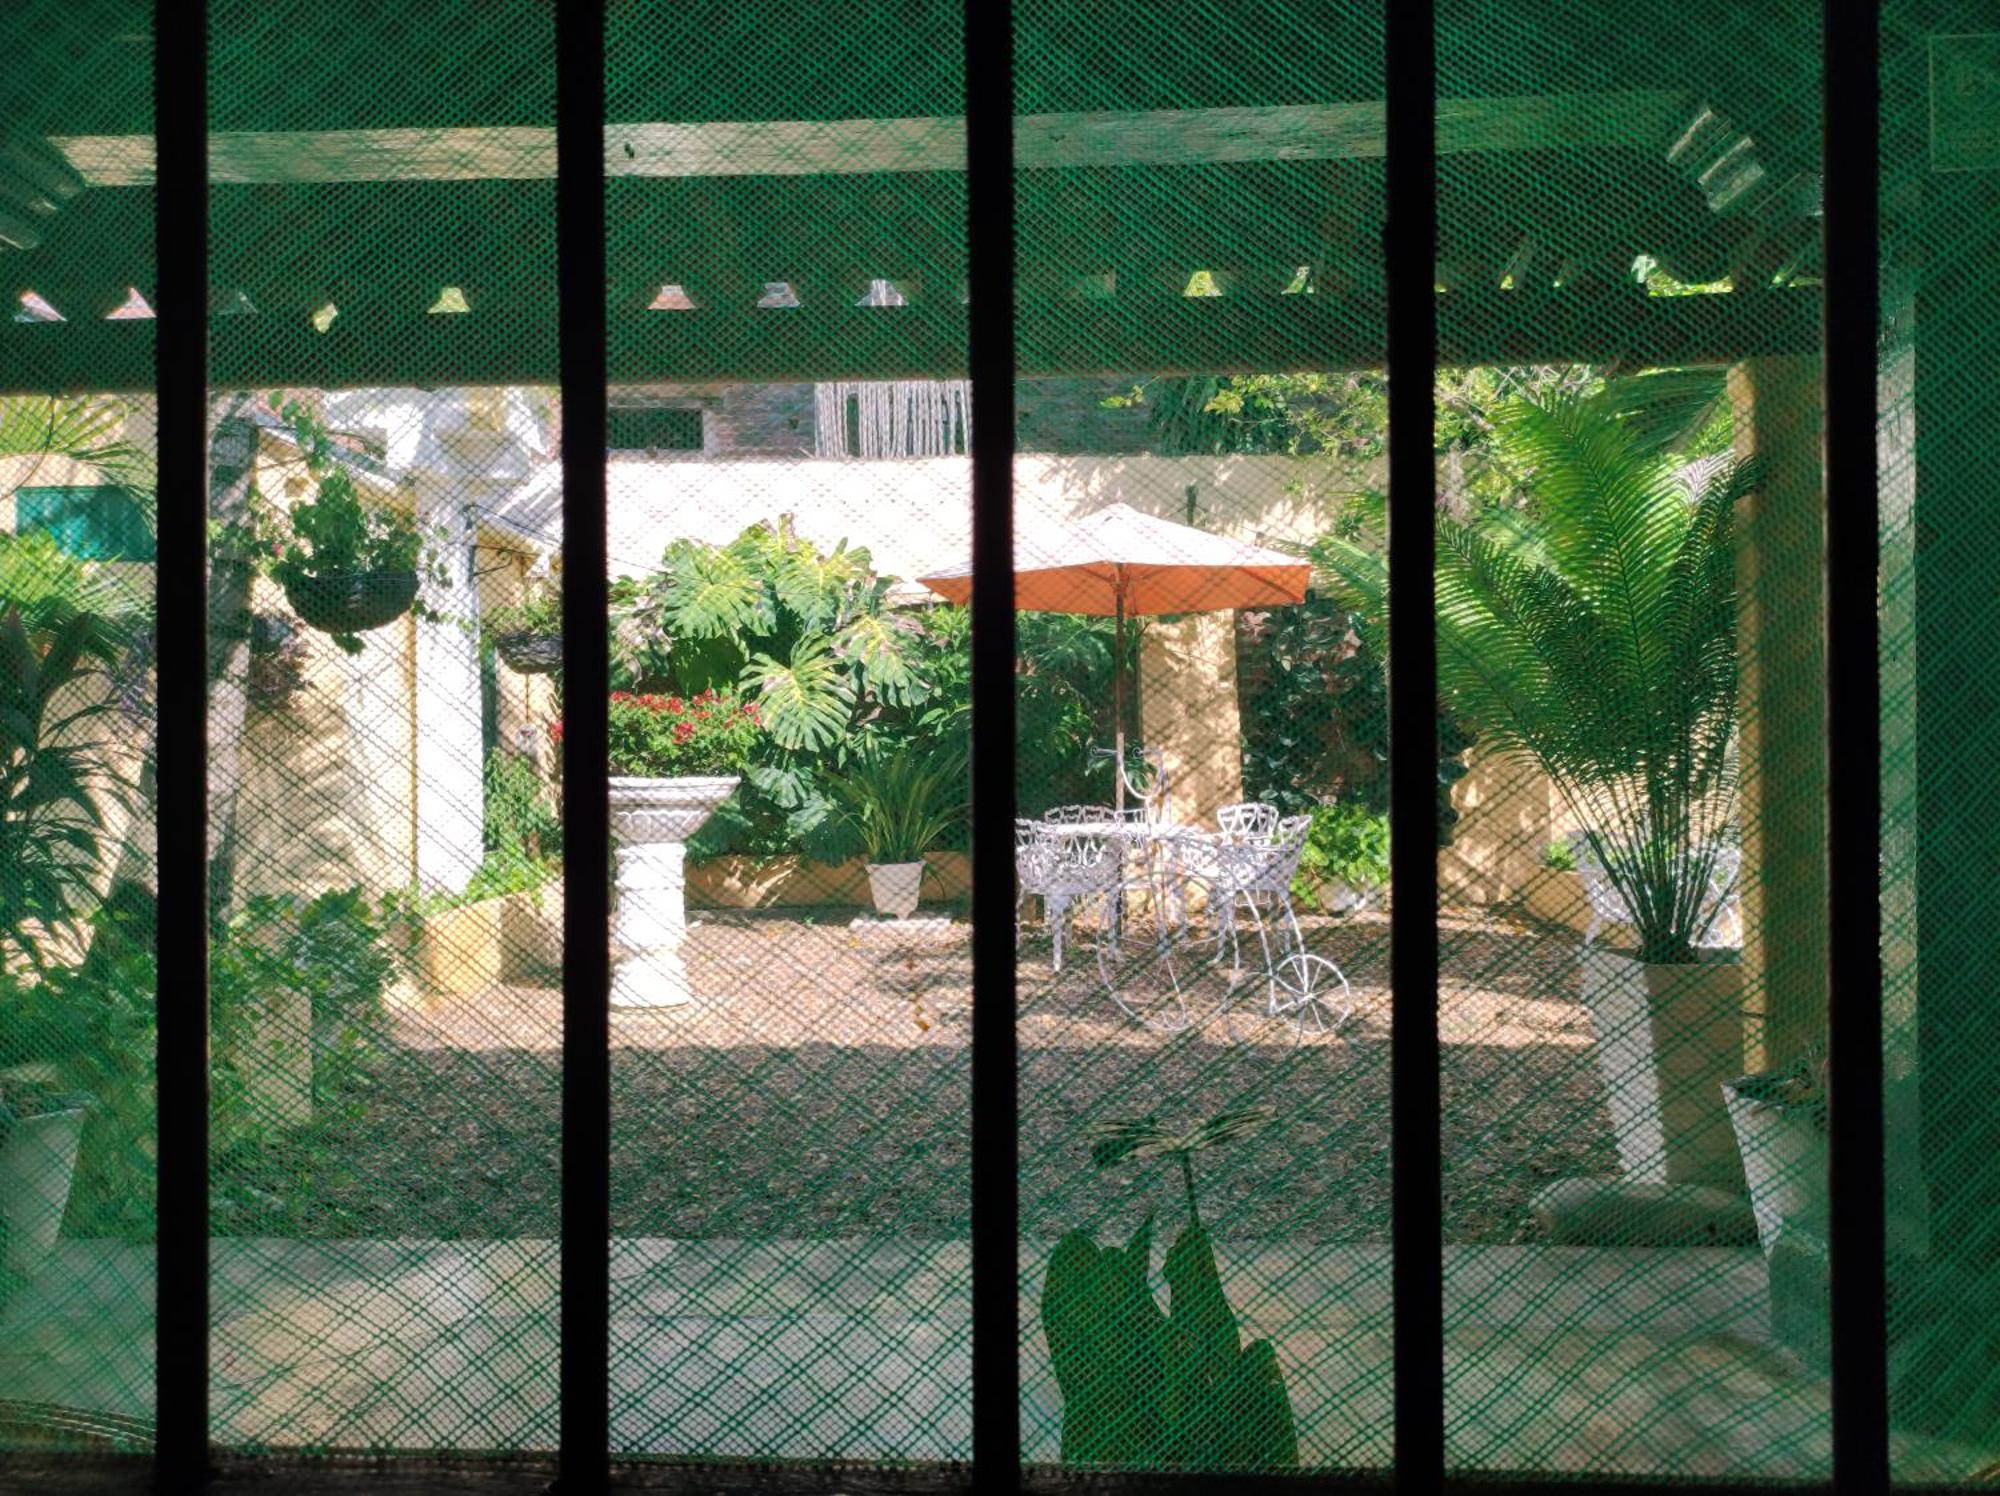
<point>670,737</point>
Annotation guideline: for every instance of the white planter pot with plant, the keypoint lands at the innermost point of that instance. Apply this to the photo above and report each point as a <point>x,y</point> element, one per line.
<point>1345,863</point>
<point>1592,635</point>
<point>1781,1121</point>
<point>37,1162</point>
<point>674,760</point>
<point>900,804</point>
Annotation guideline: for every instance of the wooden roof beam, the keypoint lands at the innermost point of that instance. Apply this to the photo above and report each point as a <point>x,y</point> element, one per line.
<point>1204,335</point>
<point>1646,119</point>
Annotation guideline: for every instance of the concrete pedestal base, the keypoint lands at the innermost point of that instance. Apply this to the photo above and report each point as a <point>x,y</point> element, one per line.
<point>650,926</point>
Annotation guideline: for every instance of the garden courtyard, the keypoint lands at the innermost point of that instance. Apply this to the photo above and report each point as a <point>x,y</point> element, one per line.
<point>817,1087</point>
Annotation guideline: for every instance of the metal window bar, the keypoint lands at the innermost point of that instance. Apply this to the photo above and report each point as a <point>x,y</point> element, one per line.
<point>1852,320</point>
<point>1416,1168</point>
<point>989,162</point>
<point>584,1398</point>
<point>1857,1272</point>
<point>181,1334</point>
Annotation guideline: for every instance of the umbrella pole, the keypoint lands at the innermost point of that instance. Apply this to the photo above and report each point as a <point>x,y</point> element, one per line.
<point>1118,710</point>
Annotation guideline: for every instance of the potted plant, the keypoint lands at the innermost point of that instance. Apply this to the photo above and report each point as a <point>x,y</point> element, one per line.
<point>674,760</point>
<point>1593,635</point>
<point>1780,1120</point>
<point>41,1129</point>
<point>528,636</point>
<point>900,804</point>
<point>1146,1389</point>
<point>349,567</point>
<point>1346,857</point>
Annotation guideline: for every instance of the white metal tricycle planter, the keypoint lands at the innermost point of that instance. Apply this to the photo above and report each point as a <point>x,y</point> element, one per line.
<point>651,820</point>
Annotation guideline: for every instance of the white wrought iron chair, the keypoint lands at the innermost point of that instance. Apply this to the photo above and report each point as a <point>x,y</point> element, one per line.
<point>1060,871</point>
<point>1249,818</point>
<point>1721,911</point>
<point>1246,876</point>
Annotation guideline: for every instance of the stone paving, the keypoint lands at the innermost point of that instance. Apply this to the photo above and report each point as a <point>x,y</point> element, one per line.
<point>811,1349</point>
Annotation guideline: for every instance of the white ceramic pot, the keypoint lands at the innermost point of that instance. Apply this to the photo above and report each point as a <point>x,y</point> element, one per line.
<point>1784,1161</point>
<point>1668,1038</point>
<point>37,1162</point>
<point>896,887</point>
<point>651,820</point>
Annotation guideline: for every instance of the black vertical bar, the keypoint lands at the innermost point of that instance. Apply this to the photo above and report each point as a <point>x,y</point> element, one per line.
<point>989,225</point>
<point>586,1050</point>
<point>1411,251</point>
<point>180,332</point>
<point>1858,1279</point>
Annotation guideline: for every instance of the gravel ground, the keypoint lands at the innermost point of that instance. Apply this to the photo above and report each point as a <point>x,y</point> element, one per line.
<point>819,1088</point>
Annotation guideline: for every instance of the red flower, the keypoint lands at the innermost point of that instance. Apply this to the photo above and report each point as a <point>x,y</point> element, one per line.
<point>676,705</point>
<point>555,732</point>
<point>683,731</point>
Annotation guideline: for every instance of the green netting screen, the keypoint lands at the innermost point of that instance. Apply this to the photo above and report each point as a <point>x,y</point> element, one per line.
<point>1630,782</point>
<point>76,840</point>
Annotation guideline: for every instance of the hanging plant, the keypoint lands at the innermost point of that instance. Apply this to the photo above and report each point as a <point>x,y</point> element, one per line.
<point>347,567</point>
<point>528,637</point>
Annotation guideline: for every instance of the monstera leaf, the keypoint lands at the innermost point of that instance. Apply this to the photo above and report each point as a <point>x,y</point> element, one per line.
<point>805,700</point>
<point>820,589</point>
<point>875,644</point>
<point>713,592</point>
<point>1151,1390</point>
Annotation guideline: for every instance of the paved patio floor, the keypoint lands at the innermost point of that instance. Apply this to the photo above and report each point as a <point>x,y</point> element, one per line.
<point>1648,1361</point>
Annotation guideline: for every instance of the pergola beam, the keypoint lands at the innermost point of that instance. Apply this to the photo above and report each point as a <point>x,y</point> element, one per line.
<point>1641,119</point>
<point>1192,335</point>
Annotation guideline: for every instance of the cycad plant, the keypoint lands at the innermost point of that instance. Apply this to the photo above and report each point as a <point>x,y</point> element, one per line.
<point>1594,634</point>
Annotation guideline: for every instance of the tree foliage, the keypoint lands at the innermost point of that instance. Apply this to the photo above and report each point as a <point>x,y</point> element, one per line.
<point>1594,636</point>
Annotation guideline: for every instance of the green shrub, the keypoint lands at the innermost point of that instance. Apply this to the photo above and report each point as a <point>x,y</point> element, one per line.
<point>901,804</point>
<point>520,821</point>
<point>1346,844</point>
<point>91,1028</point>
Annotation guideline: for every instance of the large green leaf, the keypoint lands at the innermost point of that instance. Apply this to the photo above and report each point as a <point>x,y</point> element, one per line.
<point>712,592</point>
<point>1103,1329</point>
<point>876,644</point>
<point>805,700</point>
<point>1151,1390</point>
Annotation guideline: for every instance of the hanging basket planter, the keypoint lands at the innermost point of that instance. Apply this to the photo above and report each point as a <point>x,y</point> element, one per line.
<point>530,654</point>
<point>351,602</point>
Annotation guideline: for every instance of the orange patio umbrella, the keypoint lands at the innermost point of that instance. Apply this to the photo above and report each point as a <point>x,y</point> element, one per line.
<point>1118,561</point>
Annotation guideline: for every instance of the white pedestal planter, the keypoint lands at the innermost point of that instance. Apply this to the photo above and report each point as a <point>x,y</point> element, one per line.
<point>1668,1037</point>
<point>37,1162</point>
<point>651,820</point>
<point>896,887</point>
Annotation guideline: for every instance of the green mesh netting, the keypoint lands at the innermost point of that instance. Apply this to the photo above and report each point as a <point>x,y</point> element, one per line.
<point>1630,784</point>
